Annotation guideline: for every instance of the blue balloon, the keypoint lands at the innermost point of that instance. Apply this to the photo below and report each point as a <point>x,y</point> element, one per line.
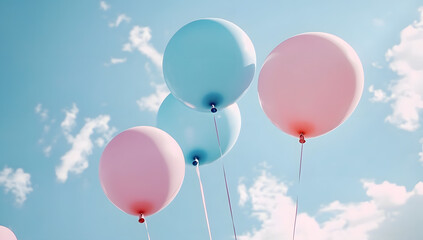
<point>195,131</point>
<point>209,62</point>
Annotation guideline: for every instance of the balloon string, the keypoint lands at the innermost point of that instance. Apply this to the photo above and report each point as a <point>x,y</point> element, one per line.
<point>295,220</point>
<point>146,228</point>
<point>197,169</point>
<point>226,181</point>
<point>229,200</point>
<point>301,163</point>
<point>299,182</point>
<point>217,135</point>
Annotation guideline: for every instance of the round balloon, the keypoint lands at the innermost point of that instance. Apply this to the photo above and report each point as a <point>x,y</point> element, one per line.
<point>195,131</point>
<point>141,170</point>
<point>310,84</point>
<point>6,234</point>
<point>209,62</point>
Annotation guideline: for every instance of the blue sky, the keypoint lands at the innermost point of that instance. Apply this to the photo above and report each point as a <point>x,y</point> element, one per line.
<point>75,73</point>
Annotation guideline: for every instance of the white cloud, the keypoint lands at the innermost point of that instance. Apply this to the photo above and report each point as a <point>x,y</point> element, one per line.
<point>42,112</point>
<point>47,150</point>
<point>139,38</point>
<point>69,121</point>
<point>147,68</point>
<point>76,159</point>
<point>115,61</point>
<point>243,194</point>
<point>418,189</point>
<point>387,194</point>
<point>152,102</point>
<point>378,95</point>
<point>406,93</point>
<point>46,128</point>
<point>347,221</point>
<point>405,222</point>
<point>127,47</point>
<point>376,65</point>
<point>121,18</point>
<point>104,6</point>
<point>18,182</point>
<point>378,22</point>
<point>99,142</point>
<point>421,153</point>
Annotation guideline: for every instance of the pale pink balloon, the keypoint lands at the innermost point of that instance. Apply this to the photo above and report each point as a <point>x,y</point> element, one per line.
<point>6,234</point>
<point>310,84</point>
<point>141,170</point>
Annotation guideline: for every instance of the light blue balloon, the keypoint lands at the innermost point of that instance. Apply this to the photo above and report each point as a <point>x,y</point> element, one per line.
<point>209,61</point>
<point>195,131</point>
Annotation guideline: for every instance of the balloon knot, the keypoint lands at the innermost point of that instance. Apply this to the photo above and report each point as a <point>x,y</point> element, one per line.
<point>213,108</point>
<point>302,140</point>
<point>141,219</point>
<point>195,162</point>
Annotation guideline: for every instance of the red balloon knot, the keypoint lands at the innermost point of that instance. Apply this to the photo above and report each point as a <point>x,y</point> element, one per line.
<point>142,219</point>
<point>302,140</point>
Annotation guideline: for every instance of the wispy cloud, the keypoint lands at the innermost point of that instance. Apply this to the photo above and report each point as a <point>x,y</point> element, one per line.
<point>17,182</point>
<point>47,150</point>
<point>41,111</point>
<point>104,6</point>
<point>421,153</point>
<point>152,102</point>
<point>76,159</point>
<point>378,22</point>
<point>243,194</point>
<point>69,122</point>
<point>376,65</point>
<point>121,18</point>
<point>406,93</point>
<point>274,209</point>
<point>115,61</point>
<point>378,95</point>
<point>139,38</point>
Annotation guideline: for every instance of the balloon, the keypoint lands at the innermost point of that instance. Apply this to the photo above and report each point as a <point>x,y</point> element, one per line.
<point>141,170</point>
<point>310,84</point>
<point>195,131</point>
<point>209,61</point>
<point>6,234</point>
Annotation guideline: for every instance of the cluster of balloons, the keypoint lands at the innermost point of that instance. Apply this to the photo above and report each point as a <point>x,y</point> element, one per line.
<point>208,64</point>
<point>308,85</point>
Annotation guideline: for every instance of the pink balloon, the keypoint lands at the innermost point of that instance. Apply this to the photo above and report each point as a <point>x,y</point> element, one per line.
<point>310,84</point>
<point>6,234</point>
<point>141,170</point>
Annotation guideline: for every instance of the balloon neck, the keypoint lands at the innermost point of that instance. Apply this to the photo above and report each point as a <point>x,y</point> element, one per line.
<point>213,108</point>
<point>196,161</point>
<point>141,219</point>
<point>302,140</point>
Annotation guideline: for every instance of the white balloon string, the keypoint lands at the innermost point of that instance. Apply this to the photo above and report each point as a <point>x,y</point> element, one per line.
<point>146,228</point>
<point>229,200</point>
<point>217,135</point>
<point>301,162</point>
<point>299,182</point>
<point>226,181</point>
<point>197,169</point>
